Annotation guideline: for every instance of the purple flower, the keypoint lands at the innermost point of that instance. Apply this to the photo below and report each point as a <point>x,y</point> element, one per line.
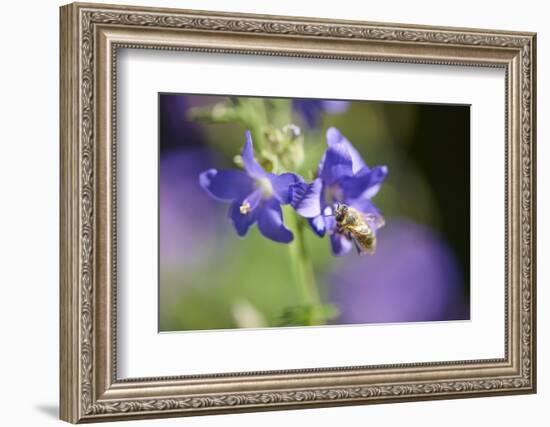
<point>414,276</point>
<point>343,177</point>
<point>255,195</point>
<point>175,129</point>
<point>184,234</point>
<point>312,109</point>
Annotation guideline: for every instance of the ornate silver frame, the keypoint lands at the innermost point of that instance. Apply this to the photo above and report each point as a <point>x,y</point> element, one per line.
<point>90,36</point>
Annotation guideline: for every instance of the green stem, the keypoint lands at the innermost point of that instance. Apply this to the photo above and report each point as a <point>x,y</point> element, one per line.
<point>303,269</point>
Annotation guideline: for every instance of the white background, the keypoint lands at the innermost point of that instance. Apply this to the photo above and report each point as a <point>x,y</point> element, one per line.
<point>143,352</point>
<point>29,170</point>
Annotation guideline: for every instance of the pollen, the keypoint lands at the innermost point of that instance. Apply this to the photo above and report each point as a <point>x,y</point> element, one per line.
<point>245,208</point>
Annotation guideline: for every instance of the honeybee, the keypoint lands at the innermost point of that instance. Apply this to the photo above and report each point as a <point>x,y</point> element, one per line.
<point>358,227</point>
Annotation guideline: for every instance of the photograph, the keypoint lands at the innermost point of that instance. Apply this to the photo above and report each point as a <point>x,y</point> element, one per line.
<point>277,212</point>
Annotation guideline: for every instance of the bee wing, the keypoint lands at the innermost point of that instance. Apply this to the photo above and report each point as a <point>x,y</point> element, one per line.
<point>375,220</point>
<point>361,249</point>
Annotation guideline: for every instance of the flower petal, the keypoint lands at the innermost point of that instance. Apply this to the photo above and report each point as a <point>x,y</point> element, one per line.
<point>379,175</point>
<point>365,183</point>
<point>335,137</point>
<point>270,222</point>
<point>336,164</point>
<point>340,244</point>
<point>225,185</point>
<point>370,212</point>
<point>250,164</point>
<point>331,106</point>
<point>318,225</point>
<point>306,198</point>
<point>253,199</point>
<point>310,109</point>
<point>241,222</point>
<point>282,184</point>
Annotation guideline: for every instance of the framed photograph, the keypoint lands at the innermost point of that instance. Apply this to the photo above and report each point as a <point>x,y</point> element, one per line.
<point>265,212</point>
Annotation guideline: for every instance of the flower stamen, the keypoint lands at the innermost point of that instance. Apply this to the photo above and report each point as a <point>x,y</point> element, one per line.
<point>245,208</point>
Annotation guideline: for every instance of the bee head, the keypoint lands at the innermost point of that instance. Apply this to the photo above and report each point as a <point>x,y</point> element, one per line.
<point>340,212</point>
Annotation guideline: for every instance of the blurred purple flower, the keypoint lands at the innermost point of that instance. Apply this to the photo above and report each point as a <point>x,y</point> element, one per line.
<point>343,177</point>
<point>255,195</point>
<point>312,109</point>
<point>188,217</point>
<point>413,277</point>
<point>176,130</point>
